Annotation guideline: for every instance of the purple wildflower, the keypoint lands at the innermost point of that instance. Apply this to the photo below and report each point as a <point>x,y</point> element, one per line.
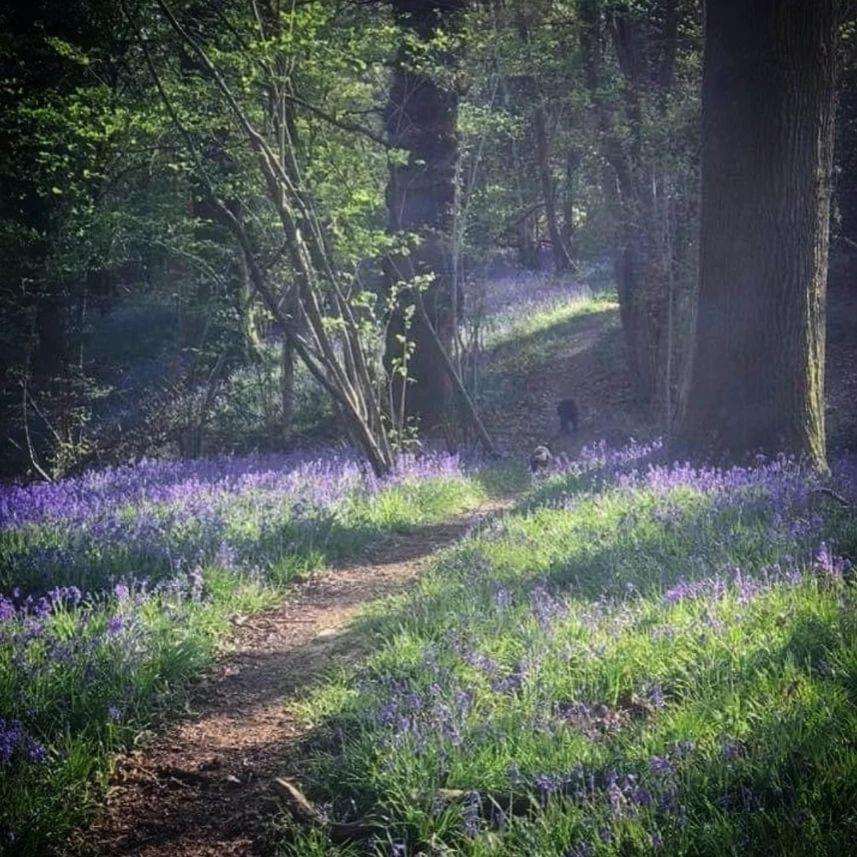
<point>829,565</point>
<point>682,748</point>
<point>548,784</point>
<point>642,796</point>
<point>732,750</point>
<point>503,598</point>
<point>655,696</point>
<point>546,608</point>
<point>15,740</point>
<point>661,766</point>
<point>678,593</point>
<point>115,625</point>
<point>36,751</point>
<point>472,809</point>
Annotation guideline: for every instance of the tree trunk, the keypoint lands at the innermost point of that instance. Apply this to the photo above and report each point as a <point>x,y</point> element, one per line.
<point>637,40</point>
<point>572,164</point>
<point>768,95</point>
<point>561,256</point>
<point>620,189</point>
<point>287,385</point>
<point>644,41</point>
<point>50,354</point>
<point>421,119</point>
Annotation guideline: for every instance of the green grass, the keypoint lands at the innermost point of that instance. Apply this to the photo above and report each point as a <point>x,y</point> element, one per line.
<point>87,693</point>
<point>551,648</point>
<point>84,688</point>
<point>280,538</point>
<point>534,339</point>
<point>547,321</point>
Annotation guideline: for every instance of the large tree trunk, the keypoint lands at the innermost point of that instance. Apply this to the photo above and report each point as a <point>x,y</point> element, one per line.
<point>50,358</point>
<point>629,254</point>
<point>758,369</point>
<point>421,119</point>
<point>572,165</point>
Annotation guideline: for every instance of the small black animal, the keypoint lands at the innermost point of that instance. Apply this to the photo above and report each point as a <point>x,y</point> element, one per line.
<point>540,459</point>
<point>566,410</point>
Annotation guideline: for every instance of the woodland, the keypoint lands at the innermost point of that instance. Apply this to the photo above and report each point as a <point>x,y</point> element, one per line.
<point>429,427</point>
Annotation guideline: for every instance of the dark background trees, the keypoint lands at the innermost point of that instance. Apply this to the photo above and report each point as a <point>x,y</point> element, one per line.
<point>152,302</point>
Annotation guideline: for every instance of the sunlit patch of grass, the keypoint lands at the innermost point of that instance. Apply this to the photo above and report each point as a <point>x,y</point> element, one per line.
<point>539,320</point>
<point>658,664</point>
<point>528,346</point>
<point>415,504</point>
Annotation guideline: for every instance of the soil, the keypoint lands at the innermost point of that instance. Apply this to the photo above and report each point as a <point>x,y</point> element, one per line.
<point>590,369</point>
<point>203,786</point>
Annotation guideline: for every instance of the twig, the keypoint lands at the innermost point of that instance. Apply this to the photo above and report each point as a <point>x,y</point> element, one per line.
<point>306,813</point>
<point>342,124</point>
<point>829,492</point>
<point>30,448</point>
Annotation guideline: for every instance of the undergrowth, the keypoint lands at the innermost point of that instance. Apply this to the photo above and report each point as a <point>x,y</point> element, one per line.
<point>117,588</point>
<point>641,659</point>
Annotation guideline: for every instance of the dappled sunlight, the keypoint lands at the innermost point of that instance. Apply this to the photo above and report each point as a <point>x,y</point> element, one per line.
<point>429,428</point>
<point>117,586</point>
<point>586,652</point>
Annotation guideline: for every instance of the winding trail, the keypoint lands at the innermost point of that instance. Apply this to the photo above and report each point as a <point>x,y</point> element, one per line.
<point>202,787</point>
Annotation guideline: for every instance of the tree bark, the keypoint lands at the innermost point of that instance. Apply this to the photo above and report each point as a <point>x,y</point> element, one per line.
<point>768,98</point>
<point>644,41</point>
<point>561,256</point>
<point>287,385</point>
<point>572,165</point>
<point>620,191</point>
<point>421,119</point>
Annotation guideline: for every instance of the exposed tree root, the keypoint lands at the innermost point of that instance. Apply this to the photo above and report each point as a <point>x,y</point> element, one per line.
<point>829,492</point>
<point>307,814</point>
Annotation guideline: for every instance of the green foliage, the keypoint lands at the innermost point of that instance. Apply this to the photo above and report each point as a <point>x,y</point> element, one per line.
<point>108,174</point>
<point>120,197</point>
<point>88,720</point>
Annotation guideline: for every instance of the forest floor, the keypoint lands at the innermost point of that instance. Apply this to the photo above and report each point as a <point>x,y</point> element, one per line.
<point>203,786</point>
<point>580,357</point>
